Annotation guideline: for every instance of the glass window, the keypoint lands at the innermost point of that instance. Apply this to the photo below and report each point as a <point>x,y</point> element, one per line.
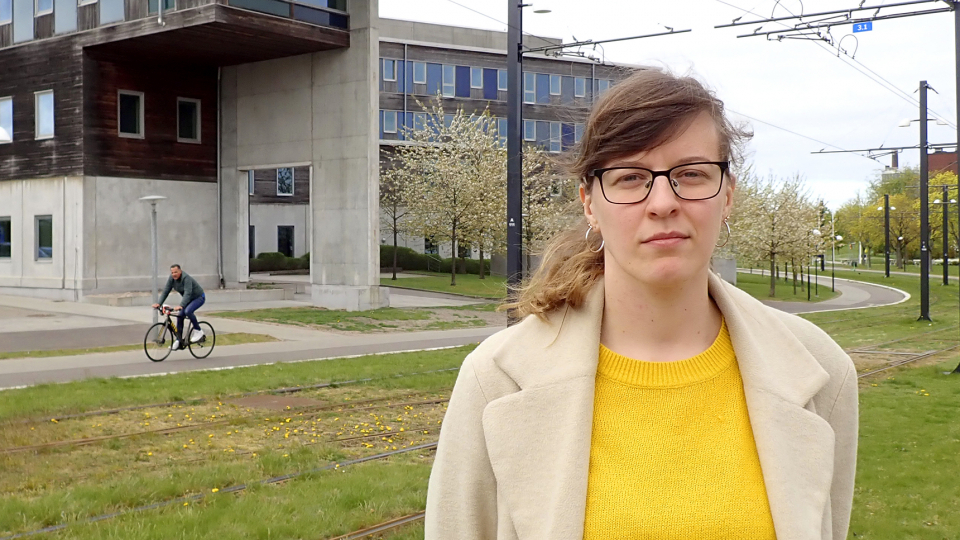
<point>252,241</point>
<point>44,121</point>
<point>6,118</point>
<point>6,11</point>
<point>389,121</point>
<point>6,237</point>
<point>44,7</point>
<point>130,114</point>
<point>167,5</point>
<point>285,181</point>
<point>502,80</point>
<point>419,73</point>
<point>449,80</point>
<point>529,87</point>
<point>389,69</point>
<point>447,120</point>
<point>577,132</point>
<point>579,87</point>
<point>285,240</point>
<point>555,85</point>
<point>529,130</point>
<point>419,121</point>
<point>554,136</point>
<point>250,182</point>
<point>476,77</point>
<point>188,120</point>
<point>44,236</point>
<point>434,78</point>
<point>502,130</point>
<point>602,85</point>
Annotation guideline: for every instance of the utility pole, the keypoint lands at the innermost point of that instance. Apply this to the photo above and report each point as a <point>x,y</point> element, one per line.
<point>886,234</point>
<point>924,210</point>
<point>514,150</point>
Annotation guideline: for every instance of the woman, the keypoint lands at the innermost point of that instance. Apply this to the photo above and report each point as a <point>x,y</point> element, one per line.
<point>646,397</point>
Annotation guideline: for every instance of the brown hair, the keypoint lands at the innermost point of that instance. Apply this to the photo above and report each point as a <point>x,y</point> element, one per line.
<point>643,111</point>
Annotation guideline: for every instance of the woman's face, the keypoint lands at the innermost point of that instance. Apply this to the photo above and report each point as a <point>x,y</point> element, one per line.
<point>663,240</point>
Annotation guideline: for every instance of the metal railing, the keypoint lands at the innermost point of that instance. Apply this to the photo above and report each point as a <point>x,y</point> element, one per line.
<point>318,12</point>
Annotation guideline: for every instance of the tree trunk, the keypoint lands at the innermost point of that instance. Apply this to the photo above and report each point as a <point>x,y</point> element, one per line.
<point>394,249</point>
<point>793,268</point>
<point>803,284</point>
<point>773,277</point>
<point>453,258</point>
<point>481,262</point>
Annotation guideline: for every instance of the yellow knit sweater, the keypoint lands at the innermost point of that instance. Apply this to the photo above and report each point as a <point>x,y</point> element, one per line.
<point>672,454</point>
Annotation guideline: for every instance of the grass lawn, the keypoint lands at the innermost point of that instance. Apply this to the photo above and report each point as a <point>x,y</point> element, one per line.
<point>467,284</point>
<point>222,340</point>
<point>758,286</point>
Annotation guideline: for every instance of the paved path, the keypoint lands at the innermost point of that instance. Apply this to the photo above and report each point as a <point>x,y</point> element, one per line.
<point>853,295</point>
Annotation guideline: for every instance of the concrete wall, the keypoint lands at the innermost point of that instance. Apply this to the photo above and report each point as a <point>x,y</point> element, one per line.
<point>451,35</point>
<point>101,234</point>
<point>267,217</point>
<point>318,110</point>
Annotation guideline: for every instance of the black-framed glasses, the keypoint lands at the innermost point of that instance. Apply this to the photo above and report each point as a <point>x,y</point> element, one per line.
<point>690,181</point>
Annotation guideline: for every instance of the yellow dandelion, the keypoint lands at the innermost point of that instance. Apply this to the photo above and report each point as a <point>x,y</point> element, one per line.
<point>186,504</point>
<point>149,453</point>
<point>214,490</point>
<point>54,420</point>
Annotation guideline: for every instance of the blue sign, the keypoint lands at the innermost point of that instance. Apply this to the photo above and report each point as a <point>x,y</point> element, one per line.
<point>862,27</point>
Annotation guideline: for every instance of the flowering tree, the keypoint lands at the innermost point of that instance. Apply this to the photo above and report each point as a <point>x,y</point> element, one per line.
<point>393,206</point>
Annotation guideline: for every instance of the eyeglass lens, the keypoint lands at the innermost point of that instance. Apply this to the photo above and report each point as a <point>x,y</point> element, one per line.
<point>694,181</point>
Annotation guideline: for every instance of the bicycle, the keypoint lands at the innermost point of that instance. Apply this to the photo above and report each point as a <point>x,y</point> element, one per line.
<point>158,343</point>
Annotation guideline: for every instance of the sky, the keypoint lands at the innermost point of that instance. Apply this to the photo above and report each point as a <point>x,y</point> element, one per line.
<point>828,100</point>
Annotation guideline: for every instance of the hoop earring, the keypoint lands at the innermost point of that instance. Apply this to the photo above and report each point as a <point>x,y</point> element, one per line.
<point>728,233</point>
<point>587,238</point>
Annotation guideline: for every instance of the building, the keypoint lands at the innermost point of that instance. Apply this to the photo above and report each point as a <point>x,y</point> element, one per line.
<point>262,122</point>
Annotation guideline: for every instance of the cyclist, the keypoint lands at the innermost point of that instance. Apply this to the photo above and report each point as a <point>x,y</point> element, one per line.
<point>192,298</point>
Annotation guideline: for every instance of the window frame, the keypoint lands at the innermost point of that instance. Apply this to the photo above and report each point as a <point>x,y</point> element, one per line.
<point>386,114</point>
<point>579,87</point>
<point>197,122</point>
<point>293,239</point>
<point>475,74</point>
<point>36,9</point>
<point>559,84</point>
<point>293,182</point>
<point>530,89</point>
<point>86,2</point>
<point>140,115</point>
<point>9,220</point>
<point>36,115</point>
<point>10,100</point>
<point>392,62</point>
<point>504,78</point>
<point>251,182</point>
<point>452,83</point>
<point>36,238</point>
<point>423,66</point>
<point>556,140</point>
<point>533,124</point>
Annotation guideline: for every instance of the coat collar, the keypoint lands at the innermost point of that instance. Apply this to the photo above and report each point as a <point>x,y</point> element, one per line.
<point>539,437</point>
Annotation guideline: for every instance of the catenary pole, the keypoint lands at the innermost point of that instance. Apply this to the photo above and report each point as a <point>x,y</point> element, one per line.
<point>886,234</point>
<point>924,210</point>
<point>514,150</point>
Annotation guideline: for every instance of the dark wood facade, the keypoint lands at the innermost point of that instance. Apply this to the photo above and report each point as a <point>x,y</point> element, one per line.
<point>158,154</point>
<point>88,16</point>
<point>43,26</point>
<point>265,187</point>
<point>6,35</point>
<point>35,67</point>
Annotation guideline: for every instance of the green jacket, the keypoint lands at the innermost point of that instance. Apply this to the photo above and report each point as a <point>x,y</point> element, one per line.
<point>188,288</point>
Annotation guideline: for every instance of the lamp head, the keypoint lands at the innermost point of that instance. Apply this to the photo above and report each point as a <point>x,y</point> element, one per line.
<point>904,123</point>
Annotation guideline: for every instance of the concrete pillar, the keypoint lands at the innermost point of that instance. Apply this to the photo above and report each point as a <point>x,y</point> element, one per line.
<point>234,190</point>
<point>345,253</point>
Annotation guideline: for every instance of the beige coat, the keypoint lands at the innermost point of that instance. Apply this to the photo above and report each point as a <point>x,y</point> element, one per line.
<point>515,444</point>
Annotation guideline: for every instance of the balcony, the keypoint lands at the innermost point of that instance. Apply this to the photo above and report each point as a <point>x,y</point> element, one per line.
<point>221,32</point>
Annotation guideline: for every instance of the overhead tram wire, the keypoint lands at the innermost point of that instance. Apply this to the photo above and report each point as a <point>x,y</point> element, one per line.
<point>468,8</point>
<point>872,75</point>
<point>797,134</point>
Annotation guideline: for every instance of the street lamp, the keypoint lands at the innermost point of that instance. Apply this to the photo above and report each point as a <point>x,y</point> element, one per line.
<point>153,200</point>
<point>946,224</point>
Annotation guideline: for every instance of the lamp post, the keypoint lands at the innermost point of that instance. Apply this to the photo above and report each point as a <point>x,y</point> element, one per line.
<point>924,208</point>
<point>946,224</point>
<point>154,259</point>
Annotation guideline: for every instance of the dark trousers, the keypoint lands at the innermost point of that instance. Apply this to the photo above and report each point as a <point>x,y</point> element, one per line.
<point>188,311</point>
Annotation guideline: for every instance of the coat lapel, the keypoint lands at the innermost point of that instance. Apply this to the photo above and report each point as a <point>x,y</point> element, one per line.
<point>538,439</point>
<point>780,378</point>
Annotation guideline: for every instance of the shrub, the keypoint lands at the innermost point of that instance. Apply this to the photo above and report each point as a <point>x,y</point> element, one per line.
<point>409,259</point>
<point>274,261</point>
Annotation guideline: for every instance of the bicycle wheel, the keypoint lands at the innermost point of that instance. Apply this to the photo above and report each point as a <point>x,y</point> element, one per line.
<point>204,347</point>
<point>158,342</point>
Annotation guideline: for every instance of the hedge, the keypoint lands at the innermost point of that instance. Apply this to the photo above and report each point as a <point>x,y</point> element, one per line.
<point>408,259</point>
<point>275,261</point>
